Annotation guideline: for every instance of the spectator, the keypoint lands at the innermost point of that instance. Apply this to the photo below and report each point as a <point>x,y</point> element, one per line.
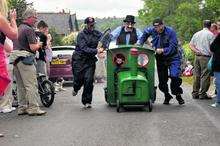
<point>168,58</point>
<point>215,48</point>
<point>24,69</point>
<point>200,45</point>
<point>6,30</point>
<point>188,70</point>
<point>41,58</point>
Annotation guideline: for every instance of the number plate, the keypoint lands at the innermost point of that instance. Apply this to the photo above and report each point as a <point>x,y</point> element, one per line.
<point>58,61</point>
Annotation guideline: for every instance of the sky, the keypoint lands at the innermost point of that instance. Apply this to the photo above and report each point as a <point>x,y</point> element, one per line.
<point>94,8</point>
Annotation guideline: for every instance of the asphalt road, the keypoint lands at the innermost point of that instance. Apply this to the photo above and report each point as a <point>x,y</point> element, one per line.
<point>68,124</point>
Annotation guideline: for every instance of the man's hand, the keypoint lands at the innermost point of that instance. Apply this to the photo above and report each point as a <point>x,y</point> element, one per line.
<point>100,50</point>
<point>159,50</point>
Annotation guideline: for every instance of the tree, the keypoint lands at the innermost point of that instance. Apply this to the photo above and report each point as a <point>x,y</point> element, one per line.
<point>20,6</point>
<point>56,38</point>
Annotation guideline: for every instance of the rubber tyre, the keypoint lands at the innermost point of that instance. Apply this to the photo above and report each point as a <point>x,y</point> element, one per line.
<point>48,99</point>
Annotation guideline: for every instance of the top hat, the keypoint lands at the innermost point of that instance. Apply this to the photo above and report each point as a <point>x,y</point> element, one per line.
<point>129,18</point>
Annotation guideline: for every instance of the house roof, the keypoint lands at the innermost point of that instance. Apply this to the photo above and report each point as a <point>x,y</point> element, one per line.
<point>64,23</point>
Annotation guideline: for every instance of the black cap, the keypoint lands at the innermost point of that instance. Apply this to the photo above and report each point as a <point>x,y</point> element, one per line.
<point>89,20</point>
<point>129,18</point>
<point>157,21</point>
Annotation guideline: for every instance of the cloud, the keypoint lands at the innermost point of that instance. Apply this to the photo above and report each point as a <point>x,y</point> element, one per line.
<point>96,8</point>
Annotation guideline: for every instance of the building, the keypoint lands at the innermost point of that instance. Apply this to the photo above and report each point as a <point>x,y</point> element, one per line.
<point>63,23</point>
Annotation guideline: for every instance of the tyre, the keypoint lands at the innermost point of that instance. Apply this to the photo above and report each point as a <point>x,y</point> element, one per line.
<point>118,106</point>
<point>150,105</point>
<point>47,94</point>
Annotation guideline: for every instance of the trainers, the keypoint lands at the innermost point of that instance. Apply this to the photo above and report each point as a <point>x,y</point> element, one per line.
<point>36,112</point>
<point>8,110</point>
<point>74,93</point>
<point>204,97</point>
<point>180,99</point>
<point>22,111</point>
<point>167,99</point>
<point>216,105</point>
<point>88,105</point>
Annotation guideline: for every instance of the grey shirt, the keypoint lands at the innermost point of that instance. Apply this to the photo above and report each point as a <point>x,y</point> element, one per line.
<point>202,40</point>
<point>26,36</point>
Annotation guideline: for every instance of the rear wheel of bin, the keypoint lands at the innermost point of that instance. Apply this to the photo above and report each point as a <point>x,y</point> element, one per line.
<point>150,105</point>
<point>118,106</point>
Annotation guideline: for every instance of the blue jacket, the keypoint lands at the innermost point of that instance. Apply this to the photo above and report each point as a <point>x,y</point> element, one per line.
<point>166,40</point>
<point>87,42</point>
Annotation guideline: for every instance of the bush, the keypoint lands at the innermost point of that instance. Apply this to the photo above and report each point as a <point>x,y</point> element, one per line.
<point>189,55</point>
<point>70,39</point>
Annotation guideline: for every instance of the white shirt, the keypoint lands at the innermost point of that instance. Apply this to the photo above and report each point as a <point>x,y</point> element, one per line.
<point>202,40</point>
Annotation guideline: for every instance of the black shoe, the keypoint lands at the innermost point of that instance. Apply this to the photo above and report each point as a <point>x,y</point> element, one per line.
<point>180,99</point>
<point>195,96</point>
<point>204,97</point>
<point>168,97</point>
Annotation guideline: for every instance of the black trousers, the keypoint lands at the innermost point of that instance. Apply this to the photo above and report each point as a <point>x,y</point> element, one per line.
<point>83,75</point>
<point>166,70</point>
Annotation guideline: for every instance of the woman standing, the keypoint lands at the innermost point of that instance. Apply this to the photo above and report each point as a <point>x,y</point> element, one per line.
<point>6,30</point>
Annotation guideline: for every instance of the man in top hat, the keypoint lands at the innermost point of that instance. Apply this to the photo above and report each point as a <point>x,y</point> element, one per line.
<point>84,60</point>
<point>168,57</point>
<point>126,34</point>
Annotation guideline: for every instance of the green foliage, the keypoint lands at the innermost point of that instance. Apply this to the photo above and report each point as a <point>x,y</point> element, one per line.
<point>56,38</point>
<point>185,16</point>
<point>20,6</point>
<point>188,53</point>
<point>70,39</point>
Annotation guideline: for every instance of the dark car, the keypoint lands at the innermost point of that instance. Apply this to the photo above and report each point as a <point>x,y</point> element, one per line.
<point>61,64</point>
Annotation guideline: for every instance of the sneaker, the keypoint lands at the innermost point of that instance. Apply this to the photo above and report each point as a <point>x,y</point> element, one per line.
<point>62,89</point>
<point>167,99</point>
<point>195,96</point>
<point>204,97</point>
<point>22,111</point>
<point>8,110</point>
<point>180,99</point>
<point>74,93</point>
<point>88,105</point>
<point>216,105</point>
<point>36,112</point>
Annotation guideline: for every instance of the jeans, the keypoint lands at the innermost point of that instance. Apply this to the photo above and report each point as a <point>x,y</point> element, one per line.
<point>217,84</point>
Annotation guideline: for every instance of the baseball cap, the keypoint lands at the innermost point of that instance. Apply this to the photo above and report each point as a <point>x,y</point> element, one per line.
<point>157,21</point>
<point>89,20</point>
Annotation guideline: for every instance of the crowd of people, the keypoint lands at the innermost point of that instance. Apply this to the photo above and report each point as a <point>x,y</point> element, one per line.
<point>31,53</point>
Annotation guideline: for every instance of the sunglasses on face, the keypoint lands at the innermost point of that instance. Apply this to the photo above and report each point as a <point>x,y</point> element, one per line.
<point>129,23</point>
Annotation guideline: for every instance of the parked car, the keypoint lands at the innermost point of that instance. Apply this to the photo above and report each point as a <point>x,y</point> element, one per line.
<point>61,64</point>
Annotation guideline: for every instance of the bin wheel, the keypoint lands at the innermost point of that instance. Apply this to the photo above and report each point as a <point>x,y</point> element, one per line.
<point>118,106</point>
<point>150,105</point>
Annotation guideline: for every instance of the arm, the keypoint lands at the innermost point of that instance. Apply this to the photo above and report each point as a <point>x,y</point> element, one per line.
<point>115,33</point>
<point>144,36</point>
<point>11,31</point>
<point>139,34</point>
<point>8,46</point>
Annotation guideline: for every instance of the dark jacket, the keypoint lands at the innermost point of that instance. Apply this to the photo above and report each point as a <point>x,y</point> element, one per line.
<point>215,48</point>
<point>166,40</point>
<point>42,52</point>
<point>121,40</point>
<point>87,42</point>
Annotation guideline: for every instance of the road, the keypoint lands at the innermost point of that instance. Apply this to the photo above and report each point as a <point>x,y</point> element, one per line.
<point>68,124</point>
